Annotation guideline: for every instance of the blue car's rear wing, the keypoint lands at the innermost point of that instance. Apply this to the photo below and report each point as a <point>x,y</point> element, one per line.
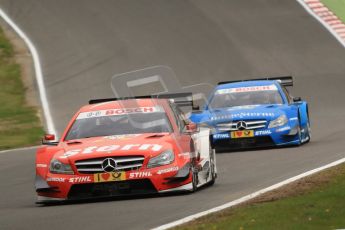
<point>284,80</point>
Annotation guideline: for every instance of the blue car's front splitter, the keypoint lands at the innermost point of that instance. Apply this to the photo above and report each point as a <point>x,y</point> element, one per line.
<point>262,138</point>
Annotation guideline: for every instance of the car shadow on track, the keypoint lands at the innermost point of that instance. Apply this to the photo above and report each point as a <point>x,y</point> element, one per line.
<point>252,149</point>
<point>118,198</point>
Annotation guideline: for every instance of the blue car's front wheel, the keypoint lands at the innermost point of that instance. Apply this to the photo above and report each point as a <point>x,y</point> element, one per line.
<point>308,133</point>
<point>304,134</point>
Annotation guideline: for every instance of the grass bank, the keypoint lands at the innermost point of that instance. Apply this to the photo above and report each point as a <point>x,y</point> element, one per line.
<point>19,123</point>
<point>316,202</point>
<point>337,7</point>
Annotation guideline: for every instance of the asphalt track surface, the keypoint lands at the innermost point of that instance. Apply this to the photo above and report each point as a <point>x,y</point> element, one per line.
<point>82,44</point>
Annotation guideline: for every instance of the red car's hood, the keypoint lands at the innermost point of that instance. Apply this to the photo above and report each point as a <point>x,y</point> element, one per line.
<point>149,144</point>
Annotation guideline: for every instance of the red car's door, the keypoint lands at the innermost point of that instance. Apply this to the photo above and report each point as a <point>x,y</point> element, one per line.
<point>184,138</point>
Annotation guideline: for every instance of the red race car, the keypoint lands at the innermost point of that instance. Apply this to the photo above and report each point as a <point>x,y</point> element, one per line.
<point>116,147</point>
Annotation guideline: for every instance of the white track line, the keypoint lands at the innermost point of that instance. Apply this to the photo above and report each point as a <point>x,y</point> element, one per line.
<point>38,72</point>
<point>248,197</point>
<point>321,19</point>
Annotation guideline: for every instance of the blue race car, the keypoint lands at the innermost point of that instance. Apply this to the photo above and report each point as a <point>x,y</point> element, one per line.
<point>255,113</point>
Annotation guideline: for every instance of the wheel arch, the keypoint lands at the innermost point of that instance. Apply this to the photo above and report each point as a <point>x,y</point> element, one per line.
<point>303,112</point>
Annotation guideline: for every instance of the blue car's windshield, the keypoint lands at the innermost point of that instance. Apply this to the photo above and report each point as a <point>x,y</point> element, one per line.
<point>257,95</point>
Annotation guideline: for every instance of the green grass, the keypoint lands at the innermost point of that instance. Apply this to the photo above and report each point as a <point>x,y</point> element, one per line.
<point>19,123</point>
<point>320,206</point>
<point>337,7</point>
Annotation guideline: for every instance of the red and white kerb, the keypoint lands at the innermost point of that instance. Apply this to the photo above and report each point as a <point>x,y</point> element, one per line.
<point>327,16</point>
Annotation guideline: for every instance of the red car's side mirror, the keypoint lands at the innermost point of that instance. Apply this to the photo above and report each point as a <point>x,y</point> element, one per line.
<point>49,137</point>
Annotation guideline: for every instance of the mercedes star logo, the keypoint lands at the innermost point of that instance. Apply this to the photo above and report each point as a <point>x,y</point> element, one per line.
<point>241,125</point>
<point>109,165</point>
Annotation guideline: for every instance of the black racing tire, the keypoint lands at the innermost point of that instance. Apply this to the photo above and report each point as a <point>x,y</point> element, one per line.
<point>301,142</point>
<point>195,179</point>
<point>299,133</point>
<point>309,132</point>
<point>213,171</point>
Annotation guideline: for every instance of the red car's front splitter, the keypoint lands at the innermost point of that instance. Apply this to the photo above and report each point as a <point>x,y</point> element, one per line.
<point>68,187</point>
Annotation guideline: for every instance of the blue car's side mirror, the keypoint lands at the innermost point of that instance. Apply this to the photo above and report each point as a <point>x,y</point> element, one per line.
<point>297,99</point>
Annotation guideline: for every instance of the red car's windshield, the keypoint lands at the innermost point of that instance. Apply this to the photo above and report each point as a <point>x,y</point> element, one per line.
<point>117,124</point>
